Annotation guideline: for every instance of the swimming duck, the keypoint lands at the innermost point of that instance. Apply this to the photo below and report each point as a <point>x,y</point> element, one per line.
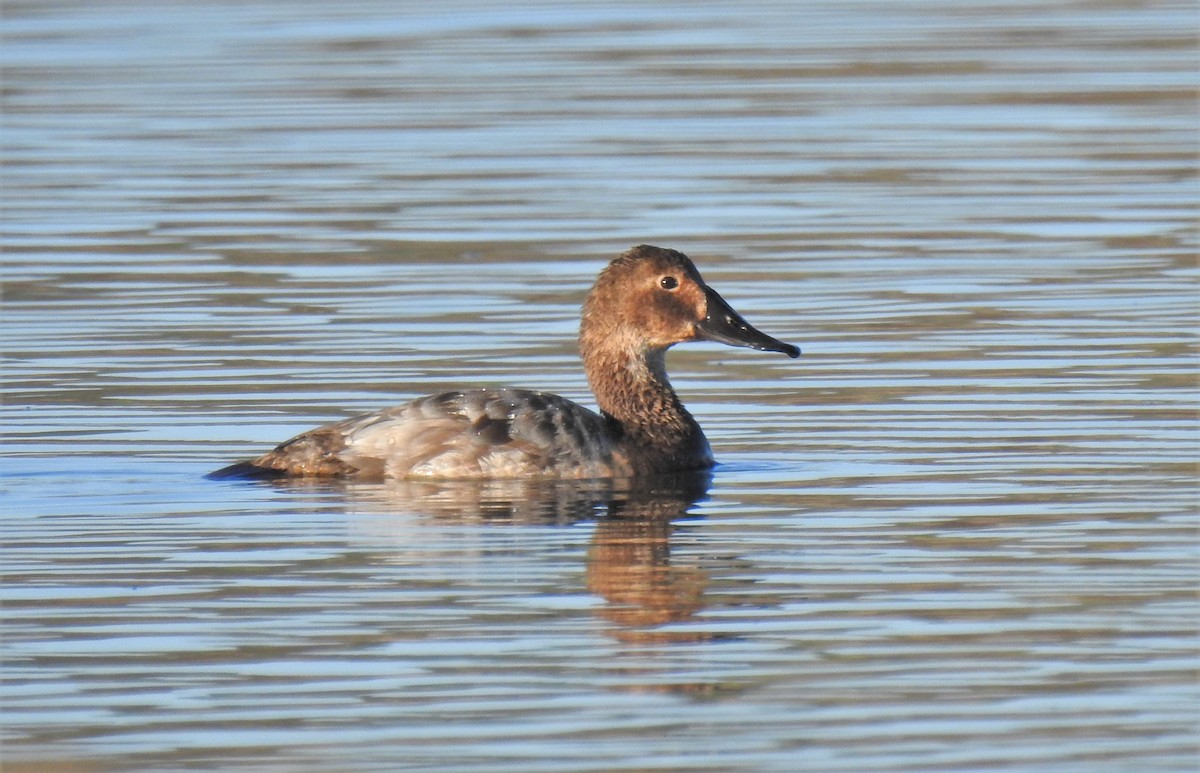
<point>643,302</point>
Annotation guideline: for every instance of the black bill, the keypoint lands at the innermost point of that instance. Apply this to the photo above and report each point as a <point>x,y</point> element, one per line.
<point>726,326</point>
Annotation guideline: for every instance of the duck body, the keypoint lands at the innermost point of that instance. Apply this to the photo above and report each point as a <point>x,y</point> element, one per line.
<point>476,433</point>
<point>644,302</point>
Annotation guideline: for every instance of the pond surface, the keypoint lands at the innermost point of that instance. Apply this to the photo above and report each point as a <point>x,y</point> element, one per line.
<point>958,534</point>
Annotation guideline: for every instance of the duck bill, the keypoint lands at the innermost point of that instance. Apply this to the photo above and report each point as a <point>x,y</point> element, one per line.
<point>724,325</point>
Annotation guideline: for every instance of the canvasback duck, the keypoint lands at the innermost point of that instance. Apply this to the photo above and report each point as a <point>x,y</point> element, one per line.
<point>644,302</point>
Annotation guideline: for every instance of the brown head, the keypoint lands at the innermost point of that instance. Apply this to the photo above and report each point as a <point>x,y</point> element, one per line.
<point>652,298</point>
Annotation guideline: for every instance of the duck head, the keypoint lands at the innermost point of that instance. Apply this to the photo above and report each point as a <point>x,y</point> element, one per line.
<point>651,298</point>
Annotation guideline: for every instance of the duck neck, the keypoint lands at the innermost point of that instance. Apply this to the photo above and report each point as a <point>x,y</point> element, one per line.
<point>632,390</point>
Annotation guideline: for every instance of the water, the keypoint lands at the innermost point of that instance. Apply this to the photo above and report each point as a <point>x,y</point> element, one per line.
<point>958,534</point>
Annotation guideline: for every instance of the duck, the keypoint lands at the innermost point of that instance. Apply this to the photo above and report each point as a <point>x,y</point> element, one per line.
<point>643,302</point>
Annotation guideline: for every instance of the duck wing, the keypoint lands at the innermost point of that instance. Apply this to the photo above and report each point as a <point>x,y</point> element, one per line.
<point>477,433</point>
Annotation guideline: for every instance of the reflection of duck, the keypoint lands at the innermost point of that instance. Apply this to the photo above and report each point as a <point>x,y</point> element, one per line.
<point>644,302</point>
<point>629,565</point>
<point>628,561</point>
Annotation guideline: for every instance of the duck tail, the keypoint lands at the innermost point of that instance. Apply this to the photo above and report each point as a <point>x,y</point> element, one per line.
<point>245,471</point>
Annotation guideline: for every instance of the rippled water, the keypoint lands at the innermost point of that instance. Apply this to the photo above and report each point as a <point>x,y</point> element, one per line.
<point>958,534</point>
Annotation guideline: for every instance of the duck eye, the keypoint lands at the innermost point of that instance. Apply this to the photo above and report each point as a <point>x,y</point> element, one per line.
<point>669,283</point>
